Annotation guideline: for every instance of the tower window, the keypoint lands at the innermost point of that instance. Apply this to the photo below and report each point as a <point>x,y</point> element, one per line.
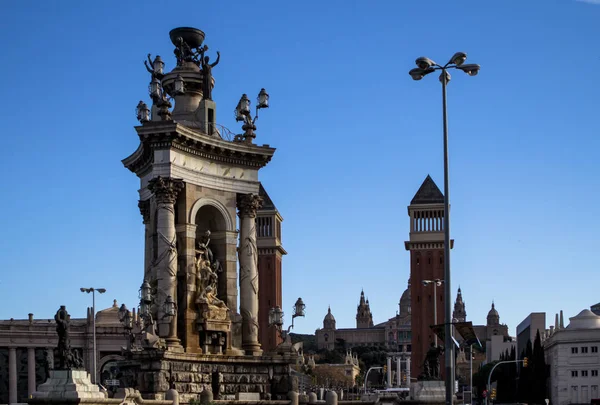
<point>417,261</point>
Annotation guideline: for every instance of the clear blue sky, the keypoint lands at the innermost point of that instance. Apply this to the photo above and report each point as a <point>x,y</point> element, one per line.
<point>355,137</point>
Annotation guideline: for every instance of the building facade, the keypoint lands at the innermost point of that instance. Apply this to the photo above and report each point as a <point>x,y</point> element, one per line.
<point>573,356</point>
<point>528,328</point>
<point>393,334</point>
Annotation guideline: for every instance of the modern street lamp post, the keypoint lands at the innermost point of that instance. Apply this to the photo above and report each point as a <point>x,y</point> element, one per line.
<point>436,283</point>
<point>424,67</point>
<point>95,358</point>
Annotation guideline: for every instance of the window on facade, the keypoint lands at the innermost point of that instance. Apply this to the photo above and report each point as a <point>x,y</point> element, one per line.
<point>584,349</point>
<point>574,350</point>
<point>584,373</point>
<point>594,349</point>
<point>573,373</point>
<point>409,348</point>
<point>594,373</point>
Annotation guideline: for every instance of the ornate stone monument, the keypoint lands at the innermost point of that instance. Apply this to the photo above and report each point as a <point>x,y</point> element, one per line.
<point>68,381</point>
<point>195,177</point>
<point>430,388</point>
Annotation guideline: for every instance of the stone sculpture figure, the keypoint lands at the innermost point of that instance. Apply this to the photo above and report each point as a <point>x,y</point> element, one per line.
<point>431,366</point>
<point>207,72</point>
<point>183,52</point>
<point>206,274</point>
<point>67,359</point>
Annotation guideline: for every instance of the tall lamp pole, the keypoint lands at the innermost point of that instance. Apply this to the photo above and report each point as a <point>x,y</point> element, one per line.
<point>93,291</point>
<point>424,67</point>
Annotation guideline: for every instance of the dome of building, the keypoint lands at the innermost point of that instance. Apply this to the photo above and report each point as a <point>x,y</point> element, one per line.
<point>586,319</point>
<point>405,302</point>
<point>329,320</point>
<point>493,318</point>
<point>108,316</point>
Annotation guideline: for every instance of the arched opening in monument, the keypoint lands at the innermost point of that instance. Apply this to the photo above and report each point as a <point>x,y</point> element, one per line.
<point>209,218</point>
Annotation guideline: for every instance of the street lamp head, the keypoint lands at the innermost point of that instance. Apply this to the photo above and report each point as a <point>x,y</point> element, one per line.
<point>169,307</point>
<point>101,290</point>
<point>471,69</point>
<point>276,317</point>
<point>299,308</point>
<point>417,73</point>
<point>143,112</point>
<point>179,85</point>
<point>459,58</point>
<point>243,108</point>
<point>83,289</point>
<point>262,99</point>
<point>154,88</point>
<point>158,65</point>
<point>424,63</point>
<point>146,292</point>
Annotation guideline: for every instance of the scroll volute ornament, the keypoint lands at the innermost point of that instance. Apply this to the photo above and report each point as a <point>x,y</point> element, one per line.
<point>144,207</point>
<point>165,189</point>
<point>248,204</point>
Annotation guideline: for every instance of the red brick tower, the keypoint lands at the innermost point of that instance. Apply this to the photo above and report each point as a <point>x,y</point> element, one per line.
<point>426,246</point>
<point>270,253</point>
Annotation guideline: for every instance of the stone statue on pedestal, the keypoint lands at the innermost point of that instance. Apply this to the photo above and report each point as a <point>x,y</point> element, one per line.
<point>431,366</point>
<point>67,358</point>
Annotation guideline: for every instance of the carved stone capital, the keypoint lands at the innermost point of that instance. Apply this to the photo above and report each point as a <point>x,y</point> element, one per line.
<point>248,204</point>
<point>144,207</point>
<point>165,189</point>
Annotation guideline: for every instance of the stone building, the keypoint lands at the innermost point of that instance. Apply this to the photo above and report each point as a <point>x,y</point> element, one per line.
<point>393,334</point>
<point>493,327</point>
<point>574,360</point>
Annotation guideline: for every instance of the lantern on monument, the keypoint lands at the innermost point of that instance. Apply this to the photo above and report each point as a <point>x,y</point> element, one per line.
<point>143,112</point>
<point>179,85</point>
<point>154,89</point>
<point>276,317</point>
<point>169,306</point>
<point>262,99</point>
<point>299,308</point>
<point>158,65</point>
<point>145,293</point>
<point>243,108</point>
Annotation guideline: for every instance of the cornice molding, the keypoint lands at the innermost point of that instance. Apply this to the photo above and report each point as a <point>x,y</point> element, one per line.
<point>160,135</point>
<point>426,245</point>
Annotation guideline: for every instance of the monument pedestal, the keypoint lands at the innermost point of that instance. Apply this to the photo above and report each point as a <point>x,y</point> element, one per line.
<point>433,391</point>
<point>68,385</point>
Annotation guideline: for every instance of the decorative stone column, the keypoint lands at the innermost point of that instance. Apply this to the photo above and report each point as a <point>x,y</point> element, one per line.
<point>144,207</point>
<point>399,371</point>
<point>248,204</point>
<point>12,375</point>
<point>165,192</point>
<point>30,370</point>
<point>408,371</point>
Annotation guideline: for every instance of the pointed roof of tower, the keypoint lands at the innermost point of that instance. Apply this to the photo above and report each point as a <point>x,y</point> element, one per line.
<point>428,193</point>
<point>267,202</point>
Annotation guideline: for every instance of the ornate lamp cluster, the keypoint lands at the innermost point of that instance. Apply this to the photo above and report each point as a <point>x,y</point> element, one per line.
<point>426,66</point>
<point>242,113</point>
<point>146,322</point>
<point>189,51</point>
<point>276,317</point>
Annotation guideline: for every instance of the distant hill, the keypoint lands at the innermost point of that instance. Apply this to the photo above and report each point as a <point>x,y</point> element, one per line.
<point>310,341</point>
